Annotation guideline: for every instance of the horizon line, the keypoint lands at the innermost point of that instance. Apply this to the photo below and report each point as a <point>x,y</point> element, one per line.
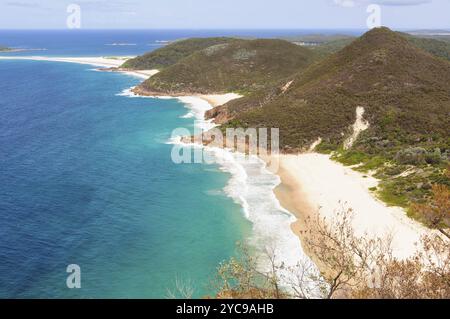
<point>219,29</point>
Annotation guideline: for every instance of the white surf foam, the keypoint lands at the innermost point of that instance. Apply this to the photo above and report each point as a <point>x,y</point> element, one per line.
<point>128,93</point>
<point>121,44</point>
<point>189,115</point>
<point>197,109</point>
<point>252,186</point>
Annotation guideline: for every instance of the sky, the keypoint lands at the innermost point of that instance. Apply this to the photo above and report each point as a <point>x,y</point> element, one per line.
<point>224,14</point>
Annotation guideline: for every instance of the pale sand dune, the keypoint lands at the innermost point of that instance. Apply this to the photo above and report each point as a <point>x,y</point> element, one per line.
<point>219,99</point>
<point>314,184</point>
<point>359,126</point>
<point>144,74</point>
<point>103,62</point>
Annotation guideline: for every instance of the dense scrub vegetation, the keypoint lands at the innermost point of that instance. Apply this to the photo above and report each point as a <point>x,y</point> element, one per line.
<point>434,46</point>
<point>172,53</point>
<point>331,47</point>
<point>438,47</point>
<point>403,90</point>
<point>239,66</point>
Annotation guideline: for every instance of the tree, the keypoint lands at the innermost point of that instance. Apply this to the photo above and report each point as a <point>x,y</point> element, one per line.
<point>242,277</point>
<point>182,290</point>
<point>436,213</point>
<point>346,260</point>
<point>423,276</point>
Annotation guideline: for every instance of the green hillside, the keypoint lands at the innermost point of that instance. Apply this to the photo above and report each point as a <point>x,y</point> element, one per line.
<point>237,66</point>
<point>382,72</point>
<point>172,53</point>
<point>330,47</point>
<point>437,47</point>
<point>404,91</point>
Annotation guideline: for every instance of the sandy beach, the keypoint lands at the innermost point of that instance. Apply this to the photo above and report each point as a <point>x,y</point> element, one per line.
<point>313,184</point>
<point>103,62</point>
<point>219,99</point>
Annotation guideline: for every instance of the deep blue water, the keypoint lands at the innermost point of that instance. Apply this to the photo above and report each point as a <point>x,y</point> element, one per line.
<point>128,42</point>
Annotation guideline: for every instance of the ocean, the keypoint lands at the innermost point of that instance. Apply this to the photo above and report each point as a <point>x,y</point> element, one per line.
<point>87,178</point>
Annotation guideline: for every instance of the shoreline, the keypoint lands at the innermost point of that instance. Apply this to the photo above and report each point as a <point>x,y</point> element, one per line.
<point>314,186</point>
<point>102,62</point>
<point>214,100</point>
<point>309,185</point>
<point>252,186</point>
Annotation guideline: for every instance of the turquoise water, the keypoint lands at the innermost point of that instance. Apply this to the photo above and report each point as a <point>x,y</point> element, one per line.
<point>86,178</point>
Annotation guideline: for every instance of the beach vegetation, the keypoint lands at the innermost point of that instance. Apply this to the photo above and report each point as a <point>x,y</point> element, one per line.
<point>351,157</point>
<point>349,267</point>
<point>436,213</point>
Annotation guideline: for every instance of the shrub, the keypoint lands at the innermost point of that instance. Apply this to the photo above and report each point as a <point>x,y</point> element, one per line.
<point>434,157</point>
<point>412,156</point>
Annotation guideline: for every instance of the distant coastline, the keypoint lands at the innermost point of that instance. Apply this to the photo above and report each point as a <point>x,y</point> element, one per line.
<point>15,50</point>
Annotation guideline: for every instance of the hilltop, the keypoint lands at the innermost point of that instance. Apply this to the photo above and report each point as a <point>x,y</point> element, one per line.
<point>235,66</point>
<point>172,53</point>
<point>436,46</point>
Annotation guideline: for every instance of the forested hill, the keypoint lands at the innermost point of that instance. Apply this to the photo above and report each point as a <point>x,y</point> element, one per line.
<point>239,66</point>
